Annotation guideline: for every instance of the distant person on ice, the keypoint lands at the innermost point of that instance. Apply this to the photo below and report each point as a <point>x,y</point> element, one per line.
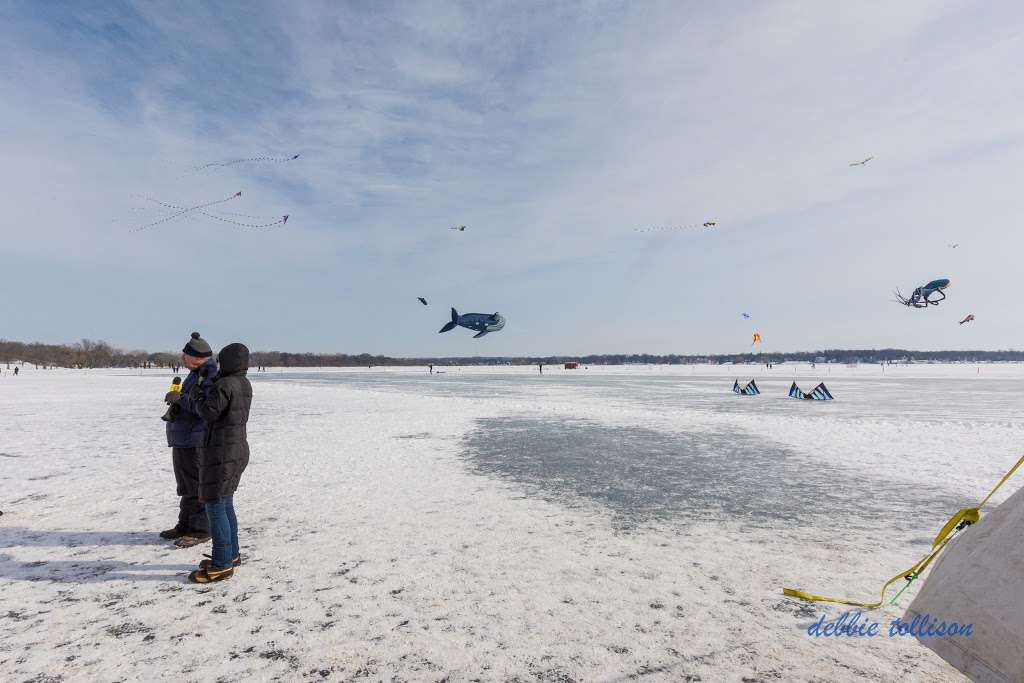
<point>223,404</point>
<point>185,436</point>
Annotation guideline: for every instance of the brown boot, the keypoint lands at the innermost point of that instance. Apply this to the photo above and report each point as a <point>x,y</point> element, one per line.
<point>173,533</point>
<point>189,539</point>
<point>207,563</point>
<point>211,575</point>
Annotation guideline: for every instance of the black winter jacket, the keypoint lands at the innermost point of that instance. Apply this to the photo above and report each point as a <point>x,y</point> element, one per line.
<point>224,406</point>
<point>186,429</point>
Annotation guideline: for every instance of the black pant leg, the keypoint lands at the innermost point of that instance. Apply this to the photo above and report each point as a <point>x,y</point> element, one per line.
<point>191,513</point>
<point>179,456</point>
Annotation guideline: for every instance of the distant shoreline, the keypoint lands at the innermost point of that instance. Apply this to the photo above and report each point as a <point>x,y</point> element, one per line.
<point>101,354</point>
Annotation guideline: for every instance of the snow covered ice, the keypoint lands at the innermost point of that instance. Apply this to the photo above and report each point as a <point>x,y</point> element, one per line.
<point>603,524</point>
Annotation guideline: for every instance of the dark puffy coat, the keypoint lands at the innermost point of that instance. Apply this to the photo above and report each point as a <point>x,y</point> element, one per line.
<point>186,429</point>
<point>224,406</point>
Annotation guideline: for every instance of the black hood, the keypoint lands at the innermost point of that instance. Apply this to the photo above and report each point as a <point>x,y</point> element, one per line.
<point>233,359</point>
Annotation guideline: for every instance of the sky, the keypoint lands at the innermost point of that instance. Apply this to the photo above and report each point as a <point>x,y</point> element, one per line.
<point>552,131</point>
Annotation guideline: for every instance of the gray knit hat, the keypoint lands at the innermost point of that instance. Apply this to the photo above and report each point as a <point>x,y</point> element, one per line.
<point>197,347</point>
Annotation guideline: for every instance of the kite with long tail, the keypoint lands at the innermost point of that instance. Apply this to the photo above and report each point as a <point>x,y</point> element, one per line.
<point>676,228</point>
<point>228,217</point>
<point>184,210</point>
<point>234,162</point>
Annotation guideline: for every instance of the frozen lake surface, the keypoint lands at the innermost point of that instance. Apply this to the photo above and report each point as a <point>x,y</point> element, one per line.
<point>607,524</point>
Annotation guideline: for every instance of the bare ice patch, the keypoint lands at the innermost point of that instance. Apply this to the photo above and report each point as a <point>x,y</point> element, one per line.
<point>644,475</point>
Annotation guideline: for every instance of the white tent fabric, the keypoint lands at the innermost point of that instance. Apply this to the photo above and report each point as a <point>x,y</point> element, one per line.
<point>979,579</point>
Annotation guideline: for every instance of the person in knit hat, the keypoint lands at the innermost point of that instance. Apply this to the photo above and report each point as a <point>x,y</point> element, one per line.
<point>185,436</point>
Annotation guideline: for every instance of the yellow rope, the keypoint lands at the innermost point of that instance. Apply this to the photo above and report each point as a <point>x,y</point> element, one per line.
<point>967,515</point>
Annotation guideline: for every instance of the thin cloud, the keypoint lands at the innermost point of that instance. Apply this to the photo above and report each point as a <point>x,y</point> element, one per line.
<point>551,132</point>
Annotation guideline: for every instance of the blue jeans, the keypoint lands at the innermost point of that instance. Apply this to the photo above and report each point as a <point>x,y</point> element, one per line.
<point>223,530</point>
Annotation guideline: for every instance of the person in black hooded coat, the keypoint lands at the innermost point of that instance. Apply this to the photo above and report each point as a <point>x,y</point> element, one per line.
<point>223,404</point>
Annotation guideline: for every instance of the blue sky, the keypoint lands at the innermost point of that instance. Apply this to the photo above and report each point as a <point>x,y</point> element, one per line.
<point>552,130</point>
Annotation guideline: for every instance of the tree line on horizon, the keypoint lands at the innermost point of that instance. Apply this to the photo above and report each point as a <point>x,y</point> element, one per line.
<point>99,354</point>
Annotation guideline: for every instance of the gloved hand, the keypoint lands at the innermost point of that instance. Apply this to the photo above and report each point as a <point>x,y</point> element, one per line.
<point>207,376</point>
<point>172,398</point>
<point>196,393</point>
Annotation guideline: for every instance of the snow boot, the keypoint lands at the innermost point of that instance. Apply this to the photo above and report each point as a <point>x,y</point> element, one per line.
<point>208,563</point>
<point>211,575</point>
<point>189,540</point>
<point>172,533</point>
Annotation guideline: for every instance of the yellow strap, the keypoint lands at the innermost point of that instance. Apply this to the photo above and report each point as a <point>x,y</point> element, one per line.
<point>1002,481</point>
<point>969,515</point>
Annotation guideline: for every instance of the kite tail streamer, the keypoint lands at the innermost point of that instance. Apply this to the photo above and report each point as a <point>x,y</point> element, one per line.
<point>218,215</point>
<point>222,215</point>
<point>233,162</point>
<point>668,228</point>
<point>198,207</point>
<point>283,220</point>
